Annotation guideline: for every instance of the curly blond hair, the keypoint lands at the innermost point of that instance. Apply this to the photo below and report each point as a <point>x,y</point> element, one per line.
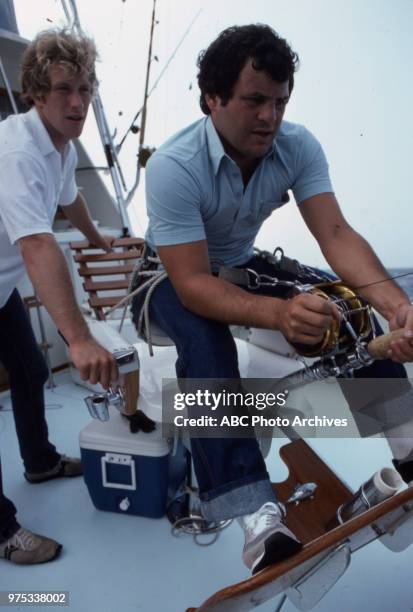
<point>63,47</point>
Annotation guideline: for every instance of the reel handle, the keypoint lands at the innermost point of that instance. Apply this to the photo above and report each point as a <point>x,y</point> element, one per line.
<point>378,347</point>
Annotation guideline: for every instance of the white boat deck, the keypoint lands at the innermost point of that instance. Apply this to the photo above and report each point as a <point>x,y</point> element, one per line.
<point>111,562</point>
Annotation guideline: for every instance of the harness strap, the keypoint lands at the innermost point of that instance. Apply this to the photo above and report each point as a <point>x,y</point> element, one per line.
<point>249,278</point>
<point>236,276</point>
<point>281,262</point>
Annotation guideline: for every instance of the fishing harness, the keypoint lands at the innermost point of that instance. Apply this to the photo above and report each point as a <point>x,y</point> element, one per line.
<point>343,347</point>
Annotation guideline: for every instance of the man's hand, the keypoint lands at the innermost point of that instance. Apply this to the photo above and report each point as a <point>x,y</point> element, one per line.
<point>306,317</point>
<point>79,216</point>
<point>104,242</point>
<point>94,362</point>
<point>402,350</point>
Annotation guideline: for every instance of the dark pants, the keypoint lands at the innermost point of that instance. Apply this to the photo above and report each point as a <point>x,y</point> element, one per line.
<point>27,370</point>
<point>206,349</point>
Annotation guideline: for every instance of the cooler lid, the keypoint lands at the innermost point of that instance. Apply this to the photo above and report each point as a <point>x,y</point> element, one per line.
<point>114,435</point>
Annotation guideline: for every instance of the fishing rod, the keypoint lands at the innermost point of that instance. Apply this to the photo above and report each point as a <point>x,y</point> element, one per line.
<point>148,70</point>
<point>132,127</point>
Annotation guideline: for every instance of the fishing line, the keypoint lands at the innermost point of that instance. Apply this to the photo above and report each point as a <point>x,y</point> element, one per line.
<point>383,280</point>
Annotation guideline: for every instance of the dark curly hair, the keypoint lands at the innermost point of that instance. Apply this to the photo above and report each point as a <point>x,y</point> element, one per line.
<point>220,65</point>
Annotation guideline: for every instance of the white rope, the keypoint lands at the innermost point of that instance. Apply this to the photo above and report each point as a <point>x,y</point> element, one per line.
<point>154,278</point>
<point>144,324</point>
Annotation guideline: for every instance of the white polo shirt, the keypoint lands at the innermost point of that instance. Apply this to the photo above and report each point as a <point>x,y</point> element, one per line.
<point>34,179</point>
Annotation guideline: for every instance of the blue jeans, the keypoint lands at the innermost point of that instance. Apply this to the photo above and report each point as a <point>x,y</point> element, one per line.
<point>27,370</point>
<point>231,473</point>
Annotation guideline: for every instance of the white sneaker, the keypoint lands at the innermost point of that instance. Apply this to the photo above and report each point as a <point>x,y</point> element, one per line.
<point>267,539</point>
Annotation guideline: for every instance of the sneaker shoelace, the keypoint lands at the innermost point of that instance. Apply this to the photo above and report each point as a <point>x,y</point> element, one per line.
<point>265,518</point>
<point>23,540</point>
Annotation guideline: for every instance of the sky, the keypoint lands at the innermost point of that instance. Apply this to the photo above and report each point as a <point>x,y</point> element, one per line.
<point>353,90</point>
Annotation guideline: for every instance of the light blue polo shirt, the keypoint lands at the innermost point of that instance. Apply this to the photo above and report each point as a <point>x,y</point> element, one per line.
<point>194,190</point>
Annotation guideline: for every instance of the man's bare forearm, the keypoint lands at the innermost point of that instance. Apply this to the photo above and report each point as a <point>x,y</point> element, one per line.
<point>78,215</point>
<point>353,260</point>
<point>215,298</point>
<point>47,269</point>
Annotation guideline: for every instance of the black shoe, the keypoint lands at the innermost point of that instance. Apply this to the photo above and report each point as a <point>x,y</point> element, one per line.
<point>138,421</point>
<point>405,470</point>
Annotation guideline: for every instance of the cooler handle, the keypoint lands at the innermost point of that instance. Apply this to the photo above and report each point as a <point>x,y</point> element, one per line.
<point>125,460</point>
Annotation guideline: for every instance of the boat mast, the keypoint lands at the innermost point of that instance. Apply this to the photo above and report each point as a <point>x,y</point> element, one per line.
<point>105,136</point>
<point>8,88</point>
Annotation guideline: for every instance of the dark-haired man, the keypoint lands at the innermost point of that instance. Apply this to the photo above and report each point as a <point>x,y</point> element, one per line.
<point>37,172</point>
<point>209,189</point>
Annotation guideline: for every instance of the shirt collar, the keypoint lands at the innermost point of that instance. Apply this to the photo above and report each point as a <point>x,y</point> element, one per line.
<point>40,133</point>
<point>273,149</point>
<point>216,150</point>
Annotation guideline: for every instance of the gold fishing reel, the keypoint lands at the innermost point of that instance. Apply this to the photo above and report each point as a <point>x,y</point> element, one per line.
<point>341,335</point>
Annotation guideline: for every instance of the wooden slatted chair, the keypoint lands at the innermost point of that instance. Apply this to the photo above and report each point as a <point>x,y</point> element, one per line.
<point>106,280</point>
<point>307,576</point>
<point>92,268</point>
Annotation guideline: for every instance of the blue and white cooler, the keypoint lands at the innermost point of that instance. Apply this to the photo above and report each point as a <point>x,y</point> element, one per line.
<point>125,472</point>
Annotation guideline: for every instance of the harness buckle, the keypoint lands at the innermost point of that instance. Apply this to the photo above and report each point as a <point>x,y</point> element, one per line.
<point>253,282</point>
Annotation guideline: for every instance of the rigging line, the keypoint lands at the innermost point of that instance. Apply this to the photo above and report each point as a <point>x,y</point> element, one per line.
<point>118,44</point>
<point>164,69</point>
